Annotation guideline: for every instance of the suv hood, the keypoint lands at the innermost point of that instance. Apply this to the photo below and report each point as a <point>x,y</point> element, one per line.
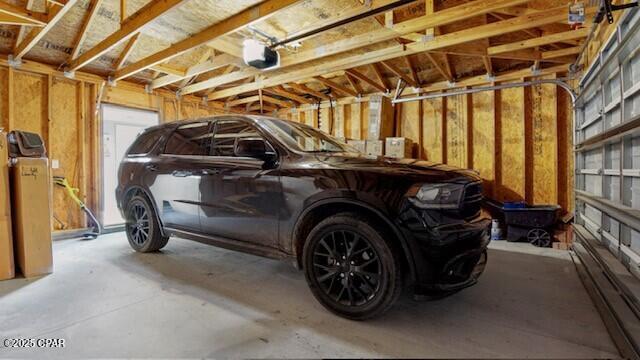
<point>394,166</point>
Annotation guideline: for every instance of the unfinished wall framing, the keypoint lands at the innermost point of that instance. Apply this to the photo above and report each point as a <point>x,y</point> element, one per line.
<point>39,99</point>
<point>519,139</point>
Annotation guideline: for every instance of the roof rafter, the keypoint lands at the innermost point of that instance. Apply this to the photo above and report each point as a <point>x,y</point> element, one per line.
<point>127,51</point>
<point>200,68</point>
<point>240,20</point>
<point>129,28</point>
<point>94,5</point>
<point>539,41</point>
<point>367,57</point>
<point>368,80</point>
<point>443,17</point>
<point>334,85</point>
<point>26,15</point>
<point>56,13</point>
<point>307,90</point>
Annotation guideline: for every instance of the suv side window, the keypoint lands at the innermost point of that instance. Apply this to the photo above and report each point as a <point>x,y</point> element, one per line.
<point>145,142</point>
<point>226,134</point>
<point>190,139</point>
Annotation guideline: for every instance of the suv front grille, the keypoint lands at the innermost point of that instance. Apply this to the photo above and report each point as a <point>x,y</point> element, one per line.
<point>472,200</point>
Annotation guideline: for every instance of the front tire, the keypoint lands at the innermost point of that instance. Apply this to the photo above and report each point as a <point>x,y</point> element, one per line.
<point>142,227</point>
<point>350,268</point>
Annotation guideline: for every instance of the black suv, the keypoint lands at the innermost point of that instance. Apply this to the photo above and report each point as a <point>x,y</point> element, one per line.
<point>359,226</point>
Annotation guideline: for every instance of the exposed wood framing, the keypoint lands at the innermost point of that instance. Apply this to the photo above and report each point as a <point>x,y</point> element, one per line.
<point>31,39</point>
<point>235,22</point>
<point>126,52</point>
<point>367,79</point>
<point>539,41</point>
<point>279,90</point>
<point>201,68</point>
<point>334,85</point>
<point>94,5</point>
<point>129,28</point>
<point>398,72</point>
<point>354,83</point>
<point>377,71</point>
<point>443,17</point>
<point>529,21</point>
<point>15,15</point>
<point>306,90</point>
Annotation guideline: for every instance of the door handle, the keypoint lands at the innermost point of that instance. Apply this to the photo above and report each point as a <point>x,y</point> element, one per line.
<point>181,173</point>
<point>151,167</point>
<point>210,172</point>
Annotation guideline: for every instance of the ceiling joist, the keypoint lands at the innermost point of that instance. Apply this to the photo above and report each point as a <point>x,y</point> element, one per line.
<point>245,18</point>
<point>129,28</point>
<point>539,41</point>
<point>443,17</point>
<point>529,21</point>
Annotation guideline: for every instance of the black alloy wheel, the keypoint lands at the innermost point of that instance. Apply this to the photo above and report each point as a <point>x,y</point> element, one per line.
<point>347,267</point>
<point>352,266</point>
<point>142,227</point>
<point>138,224</point>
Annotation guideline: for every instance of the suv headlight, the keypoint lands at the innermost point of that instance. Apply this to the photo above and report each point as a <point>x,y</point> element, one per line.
<point>436,196</point>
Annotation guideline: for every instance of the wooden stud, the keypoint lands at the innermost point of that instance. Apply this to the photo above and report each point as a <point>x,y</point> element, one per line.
<point>123,11</point>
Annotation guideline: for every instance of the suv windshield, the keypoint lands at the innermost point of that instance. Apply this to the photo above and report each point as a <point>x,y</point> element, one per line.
<point>304,138</point>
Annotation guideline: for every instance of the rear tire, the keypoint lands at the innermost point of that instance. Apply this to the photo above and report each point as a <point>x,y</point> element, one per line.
<point>350,268</point>
<point>142,227</point>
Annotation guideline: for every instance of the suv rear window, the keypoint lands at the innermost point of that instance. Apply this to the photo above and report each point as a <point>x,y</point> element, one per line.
<point>145,142</point>
<point>190,139</point>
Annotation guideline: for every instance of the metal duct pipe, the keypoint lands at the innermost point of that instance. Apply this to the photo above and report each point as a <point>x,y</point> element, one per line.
<point>558,82</point>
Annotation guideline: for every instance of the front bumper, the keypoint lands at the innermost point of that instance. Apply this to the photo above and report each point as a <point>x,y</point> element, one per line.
<point>449,254</point>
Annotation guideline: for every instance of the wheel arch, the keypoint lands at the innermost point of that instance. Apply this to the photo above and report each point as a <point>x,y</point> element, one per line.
<point>138,190</point>
<point>319,210</point>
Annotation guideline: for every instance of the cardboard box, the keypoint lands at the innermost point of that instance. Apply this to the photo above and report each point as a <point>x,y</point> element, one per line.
<point>375,147</point>
<point>7,266</point>
<point>359,145</point>
<point>31,200</point>
<point>399,147</point>
<point>380,118</point>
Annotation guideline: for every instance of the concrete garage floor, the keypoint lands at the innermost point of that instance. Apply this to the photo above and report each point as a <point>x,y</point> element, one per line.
<point>192,300</point>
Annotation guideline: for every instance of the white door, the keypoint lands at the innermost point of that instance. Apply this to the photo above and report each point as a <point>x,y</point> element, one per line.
<point>120,127</point>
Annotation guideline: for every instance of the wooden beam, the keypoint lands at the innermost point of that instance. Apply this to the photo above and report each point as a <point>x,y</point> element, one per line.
<point>412,70</point>
<point>443,17</point>
<point>26,15</point>
<point>35,35</point>
<point>354,83</point>
<point>279,90</point>
<point>396,70</point>
<point>245,18</point>
<point>559,53</point>
<point>377,71</point>
<point>441,69</point>
<point>539,41</point>
<point>123,11</point>
<point>201,68</point>
<point>365,57</point>
<point>306,90</point>
<point>8,19</point>
<point>336,86</point>
<point>366,79</point>
<point>126,52</point>
<point>429,9</point>
<point>94,5</point>
<point>129,28</point>
<point>168,69</point>
<point>265,98</point>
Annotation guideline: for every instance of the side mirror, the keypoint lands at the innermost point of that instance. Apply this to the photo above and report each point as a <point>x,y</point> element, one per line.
<point>254,148</point>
